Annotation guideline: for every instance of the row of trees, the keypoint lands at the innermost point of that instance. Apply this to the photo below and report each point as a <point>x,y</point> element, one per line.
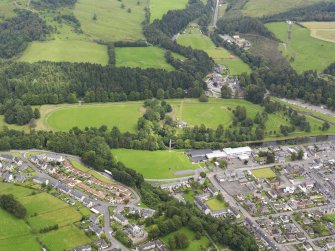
<point>12,206</point>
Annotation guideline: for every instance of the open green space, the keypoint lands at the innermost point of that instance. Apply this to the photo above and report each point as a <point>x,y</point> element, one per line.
<point>195,245</point>
<point>215,204</point>
<point>64,239</point>
<point>143,57</point>
<point>42,210</point>
<point>193,37</point>
<point>303,51</point>
<point>111,22</point>
<point>160,7</point>
<point>265,173</point>
<point>321,30</point>
<point>259,8</point>
<point>65,117</point>
<point>66,51</point>
<point>154,164</point>
<point>6,9</point>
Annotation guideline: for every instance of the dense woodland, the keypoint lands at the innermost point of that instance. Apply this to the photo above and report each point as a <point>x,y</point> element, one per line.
<point>17,32</point>
<point>12,206</point>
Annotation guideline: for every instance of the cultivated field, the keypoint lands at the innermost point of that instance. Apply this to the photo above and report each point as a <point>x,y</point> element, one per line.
<point>143,57</point>
<point>42,210</point>
<point>322,30</point>
<point>112,22</point>
<point>65,117</point>
<point>195,245</point>
<point>266,173</point>
<point>66,51</point>
<point>303,51</point>
<point>154,164</point>
<point>193,37</point>
<point>259,8</point>
<point>160,7</point>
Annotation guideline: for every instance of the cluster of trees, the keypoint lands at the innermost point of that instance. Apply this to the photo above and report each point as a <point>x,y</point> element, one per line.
<point>297,155</point>
<point>12,206</point>
<point>299,121</point>
<point>243,24</point>
<point>70,19</point>
<point>323,11</point>
<point>17,32</point>
<point>178,241</point>
<point>270,156</point>
<point>15,112</point>
<point>49,228</point>
<point>47,4</point>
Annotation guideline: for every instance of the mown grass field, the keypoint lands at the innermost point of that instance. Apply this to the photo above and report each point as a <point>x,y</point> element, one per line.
<point>154,164</point>
<point>65,117</point>
<point>321,30</point>
<point>195,245</point>
<point>266,173</point>
<point>42,210</point>
<point>112,23</point>
<point>160,7</point>
<point>303,51</point>
<point>259,8</point>
<point>192,37</point>
<point>6,9</point>
<point>143,57</point>
<point>215,204</point>
<point>66,51</point>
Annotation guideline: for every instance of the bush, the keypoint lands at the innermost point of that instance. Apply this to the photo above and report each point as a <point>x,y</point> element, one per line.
<point>203,98</point>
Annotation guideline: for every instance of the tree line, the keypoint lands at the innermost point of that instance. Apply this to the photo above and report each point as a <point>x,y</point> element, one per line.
<point>12,206</point>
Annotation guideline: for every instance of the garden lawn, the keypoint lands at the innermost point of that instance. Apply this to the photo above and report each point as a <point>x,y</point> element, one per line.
<point>266,173</point>
<point>154,164</point>
<point>259,8</point>
<point>143,57</point>
<point>112,22</point>
<point>74,51</point>
<point>304,52</point>
<point>195,245</point>
<point>64,239</point>
<point>160,7</point>
<point>215,205</point>
<point>65,117</point>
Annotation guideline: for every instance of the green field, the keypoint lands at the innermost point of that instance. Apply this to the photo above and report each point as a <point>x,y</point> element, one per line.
<point>154,164</point>
<point>303,51</point>
<point>215,205</point>
<point>321,30</point>
<point>265,173</point>
<point>42,210</point>
<point>65,117</point>
<point>195,245</point>
<point>66,51</point>
<point>259,8</point>
<point>160,7</point>
<point>112,22</point>
<point>192,37</point>
<point>6,9</point>
<point>143,57</point>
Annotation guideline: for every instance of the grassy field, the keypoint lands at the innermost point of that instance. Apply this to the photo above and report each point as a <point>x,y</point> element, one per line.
<point>66,51</point>
<point>65,117</point>
<point>304,51</point>
<point>112,23</point>
<point>64,239</point>
<point>160,7</point>
<point>6,9</point>
<point>259,8</point>
<point>195,245</point>
<point>192,37</point>
<point>266,173</point>
<point>156,164</point>
<point>215,204</point>
<point>143,57</point>
<point>42,210</point>
<point>321,30</point>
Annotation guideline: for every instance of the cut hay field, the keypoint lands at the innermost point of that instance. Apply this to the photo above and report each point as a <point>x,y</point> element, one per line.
<point>65,117</point>
<point>42,210</point>
<point>154,164</point>
<point>321,30</point>
<point>160,7</point>
<point>192,37</point>
<point>266,173</point>
<point>303,51</point>
<point>112,23</point>
<point>143,57</point>
<point>66,51</point>
<point>259,8</point>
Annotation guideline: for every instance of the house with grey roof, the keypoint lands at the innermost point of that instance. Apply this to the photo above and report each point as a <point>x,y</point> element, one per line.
<point>120,218</point>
